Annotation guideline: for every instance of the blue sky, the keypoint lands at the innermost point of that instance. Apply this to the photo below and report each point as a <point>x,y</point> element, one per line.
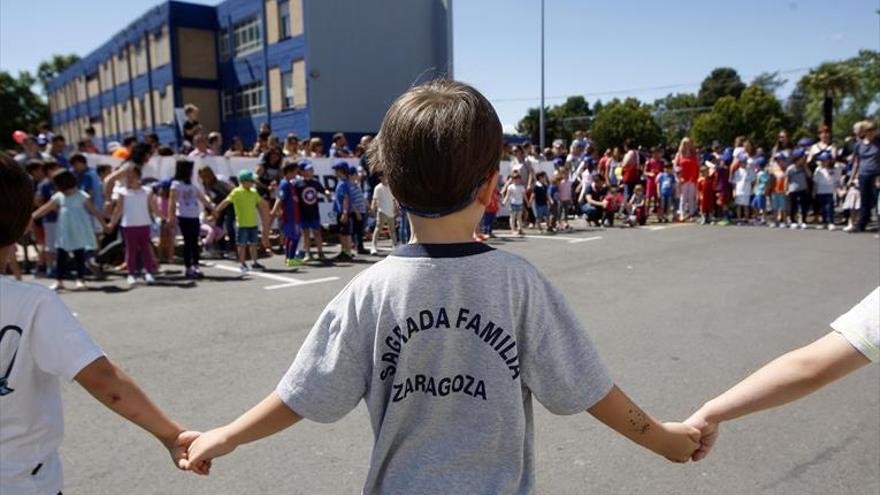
<point>598,48</point>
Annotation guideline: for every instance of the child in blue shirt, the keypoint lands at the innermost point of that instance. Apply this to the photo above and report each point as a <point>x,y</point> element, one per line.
<point>341,206</point>
<point>666,183</point>
<point>358,209</point>
<point>287,210</point>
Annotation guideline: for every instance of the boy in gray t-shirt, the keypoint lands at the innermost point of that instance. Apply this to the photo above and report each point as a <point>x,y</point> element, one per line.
<point>446,340</point>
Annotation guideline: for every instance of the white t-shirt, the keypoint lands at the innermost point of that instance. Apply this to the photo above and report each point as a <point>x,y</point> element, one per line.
<point>516,194</point>
<point>40,342</point>
<point>384,200</point>
<point>135,209</point>
<point>742,180</point>
<point>861,326</point>
<point>826,180</point>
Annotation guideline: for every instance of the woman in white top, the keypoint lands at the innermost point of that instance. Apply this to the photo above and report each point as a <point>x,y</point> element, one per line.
<point>136,210</point>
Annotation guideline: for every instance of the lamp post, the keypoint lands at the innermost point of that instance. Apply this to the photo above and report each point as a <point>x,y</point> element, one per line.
<point>541,118</point>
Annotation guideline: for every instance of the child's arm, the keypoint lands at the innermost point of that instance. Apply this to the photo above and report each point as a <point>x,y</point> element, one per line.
<point>206,201</point>
<point>276,208</point>
<point>219,209</point>
<point>117,213</point>
<point>151,206</point>
<point>95,213</point>
<point>47,207</point>
<point>267,222</point>
<point>172,207</point>
<point>268,417</point>
<point>674,441</point>
<point>111,386</point>
<point>785,379</point>
<point>110,181</point>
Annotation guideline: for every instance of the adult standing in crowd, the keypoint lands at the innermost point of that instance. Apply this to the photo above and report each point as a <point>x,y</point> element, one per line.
<point>291,149</point>
<point>823,144</point>
<point>30,151</point>
<point>632,169</point>
<point>217,190</point>
<point>866,166</point>
<point>339,148</point>
<point>688,166</point>
<point>56,151</point>
<point>192,121</point>
<point>215,142</point>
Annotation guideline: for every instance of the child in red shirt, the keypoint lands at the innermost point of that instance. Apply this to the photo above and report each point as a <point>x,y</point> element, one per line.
<point>489,215</point>
<point>652,170</point>
<point>706,190</point>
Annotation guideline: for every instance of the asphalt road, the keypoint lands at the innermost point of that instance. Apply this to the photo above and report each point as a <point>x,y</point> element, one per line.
<point>678,313</point>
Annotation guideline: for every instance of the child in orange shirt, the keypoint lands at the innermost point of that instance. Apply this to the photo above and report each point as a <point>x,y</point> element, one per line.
<point>706,190</point>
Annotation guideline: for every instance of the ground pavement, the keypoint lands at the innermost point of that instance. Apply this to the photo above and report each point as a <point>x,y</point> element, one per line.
<point>679,313</point>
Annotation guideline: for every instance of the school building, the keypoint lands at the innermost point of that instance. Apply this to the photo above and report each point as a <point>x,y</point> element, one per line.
<point>311,67</point>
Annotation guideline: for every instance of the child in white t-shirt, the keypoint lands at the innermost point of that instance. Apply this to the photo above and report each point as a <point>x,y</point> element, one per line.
<point>40,342</point>
<point>385,210</point>
<point>514,194</point>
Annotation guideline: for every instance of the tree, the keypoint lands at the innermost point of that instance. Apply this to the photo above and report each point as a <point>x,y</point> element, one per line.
<point>530,124</point>
<point>50,69</point>
<point>724,123</point>
<point>20,107</point>
<point>756,114</point>
<point>769,81</point>
<point>831,80</point>
<point>675,114</point>
<point>622,120</point>
<point>723,81</point>
<point>560,121</point>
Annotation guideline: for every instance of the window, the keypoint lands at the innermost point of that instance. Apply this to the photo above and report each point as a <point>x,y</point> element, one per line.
<point>249,100</point>
<point>247,36</point>
<point>228,112</point>
<point>287,89</point>
<point>224,45</point>
<point>284,18</point>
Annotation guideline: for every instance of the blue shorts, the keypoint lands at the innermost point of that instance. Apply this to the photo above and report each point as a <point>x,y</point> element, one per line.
<point>759,201</point>
<point>246,236</point>
<point>514,208</point>
<point>541,211</point>
<point>778,201</point>
<point>314,224</point>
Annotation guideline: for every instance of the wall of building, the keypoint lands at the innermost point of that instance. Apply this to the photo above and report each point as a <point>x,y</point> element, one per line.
<point>362,56</point>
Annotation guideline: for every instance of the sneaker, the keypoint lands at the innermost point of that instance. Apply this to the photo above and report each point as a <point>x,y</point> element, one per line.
<point>197,273</point>
<point>148,279</point>
<point>374,252</point>
<point>802,226</point>
<point>57,285</point>
<point>342,257</point>
<point>831,226</point>
<point>256,265</point>
<point>243,268</point>
<point>79,285</point>
<point>130,280</point>
<point>293,263</point>
<point>849,228</point>
<point>793,226</point>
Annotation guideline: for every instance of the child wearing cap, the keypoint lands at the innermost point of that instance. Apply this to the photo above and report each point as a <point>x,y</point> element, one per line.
<point>666,186</point>
<point>342,207</point>
<point>761,190</point>
<point>308,189</point>
<point>825,181</point>
<point>247,202</point>
<point>286,209</point>
<point>447,340</point>
<point>358,209</point>
<point>779,187</point>
<point>43,344</point>
<point>797,176</point>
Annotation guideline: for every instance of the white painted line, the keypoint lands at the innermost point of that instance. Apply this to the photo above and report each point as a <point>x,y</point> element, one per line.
<point>585,239</point>
<point>287,281</point>
<point>655,227</point>
<point>302,282</point>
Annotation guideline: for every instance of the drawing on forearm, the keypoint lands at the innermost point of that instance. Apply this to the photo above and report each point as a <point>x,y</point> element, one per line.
<point>638,422</point>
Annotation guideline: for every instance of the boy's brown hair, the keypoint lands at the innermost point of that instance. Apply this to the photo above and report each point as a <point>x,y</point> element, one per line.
<point>16,200</point>
<point>438,142</point>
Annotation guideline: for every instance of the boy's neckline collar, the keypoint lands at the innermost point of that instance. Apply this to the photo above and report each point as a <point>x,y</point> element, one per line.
<point>453,250</point>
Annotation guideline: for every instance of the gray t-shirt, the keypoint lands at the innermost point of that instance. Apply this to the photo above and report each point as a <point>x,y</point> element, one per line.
<point>797,178</point>
<point>447,344</point>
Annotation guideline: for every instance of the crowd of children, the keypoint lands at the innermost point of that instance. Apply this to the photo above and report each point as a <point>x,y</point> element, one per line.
<point>792,185</point>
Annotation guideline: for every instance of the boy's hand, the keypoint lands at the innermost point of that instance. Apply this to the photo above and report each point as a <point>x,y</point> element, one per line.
<point>708,429</point>
<point>178,446</point>
<point>681,441</point>
<point>211,444</point>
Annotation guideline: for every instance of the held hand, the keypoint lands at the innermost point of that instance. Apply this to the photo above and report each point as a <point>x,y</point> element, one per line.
<point>708,429</point>
<point>681,442</point>
<point>211,444</point>
<point>177,447</point>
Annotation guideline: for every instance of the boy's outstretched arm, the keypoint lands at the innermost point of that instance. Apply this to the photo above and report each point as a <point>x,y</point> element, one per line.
<point>783,380</point>
<point>268,417</point>
<point>116,390</point>
<point>674,441</point>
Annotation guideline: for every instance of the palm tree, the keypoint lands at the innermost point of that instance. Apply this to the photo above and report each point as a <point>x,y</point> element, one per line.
<point>831,80</point>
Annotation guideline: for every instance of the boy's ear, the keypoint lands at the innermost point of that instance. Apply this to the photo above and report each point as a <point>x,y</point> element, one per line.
<point>484,196</point>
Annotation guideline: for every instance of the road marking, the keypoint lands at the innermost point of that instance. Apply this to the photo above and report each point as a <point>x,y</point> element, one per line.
<point>570,239</point>
<point>288,281</point>
<point>585,239</point>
